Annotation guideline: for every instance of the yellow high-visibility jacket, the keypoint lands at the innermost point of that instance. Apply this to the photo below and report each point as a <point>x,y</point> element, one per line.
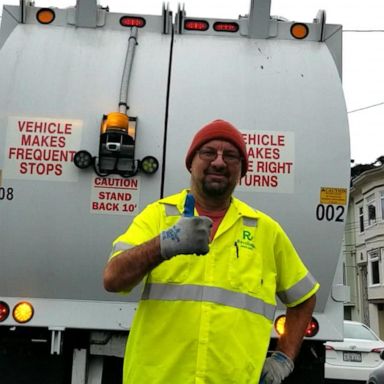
<point>207,319</point>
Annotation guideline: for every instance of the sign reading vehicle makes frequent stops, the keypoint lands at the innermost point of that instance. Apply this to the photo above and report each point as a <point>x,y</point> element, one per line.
<point>41,148</point>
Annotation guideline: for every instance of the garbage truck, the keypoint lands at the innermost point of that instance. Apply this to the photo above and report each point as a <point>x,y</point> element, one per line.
<point>97,110</point>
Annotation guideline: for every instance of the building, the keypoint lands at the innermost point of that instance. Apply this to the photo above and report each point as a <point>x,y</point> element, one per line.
<point>363,246</point>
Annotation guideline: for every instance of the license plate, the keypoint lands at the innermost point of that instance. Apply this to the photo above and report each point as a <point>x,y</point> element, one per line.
<point>352,356</point>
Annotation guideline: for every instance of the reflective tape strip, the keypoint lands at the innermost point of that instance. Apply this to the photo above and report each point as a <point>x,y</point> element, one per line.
<point>249,222</point>
<point>171,210</point>
<point>299,290</point>
<point>189,292</point>
<point>120,246</point>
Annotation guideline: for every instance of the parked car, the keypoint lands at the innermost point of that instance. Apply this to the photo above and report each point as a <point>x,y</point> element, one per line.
<point>356,356</point>
<point>377,375</point>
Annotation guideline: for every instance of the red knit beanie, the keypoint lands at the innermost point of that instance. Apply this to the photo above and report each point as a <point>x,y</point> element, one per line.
<point>219,130</point>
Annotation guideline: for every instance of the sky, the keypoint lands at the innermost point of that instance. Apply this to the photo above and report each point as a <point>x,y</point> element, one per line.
<point>363,53</point>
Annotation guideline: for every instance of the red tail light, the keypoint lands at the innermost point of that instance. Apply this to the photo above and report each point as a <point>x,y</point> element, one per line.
<point>226,27</point>
<point>313,328</point>
<point>4,311</point>
<point>196,25</point>
<point>132,21</point>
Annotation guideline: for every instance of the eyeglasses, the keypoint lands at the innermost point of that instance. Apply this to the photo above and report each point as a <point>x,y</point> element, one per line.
<point>211,155</point>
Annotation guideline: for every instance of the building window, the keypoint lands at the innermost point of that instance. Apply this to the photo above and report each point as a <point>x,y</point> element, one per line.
<point>347,313</point>
<point>374,267</point>
<point>371,209</point>
<point>382,204</point>
<point>361,219</point>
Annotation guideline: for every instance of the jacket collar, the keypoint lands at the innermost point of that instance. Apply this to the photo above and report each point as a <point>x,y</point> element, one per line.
<point>237,207</point>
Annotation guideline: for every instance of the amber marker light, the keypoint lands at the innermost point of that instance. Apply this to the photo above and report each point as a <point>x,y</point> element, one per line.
<point>23,312</point>
<point>4,311</point>
<point>45,16</point>
<point>280,325</point>
<point>299,31</point>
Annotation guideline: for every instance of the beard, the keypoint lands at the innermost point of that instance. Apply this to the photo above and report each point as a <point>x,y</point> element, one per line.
<point>217,189</point>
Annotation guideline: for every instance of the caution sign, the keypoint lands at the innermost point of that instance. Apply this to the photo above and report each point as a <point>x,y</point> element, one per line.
<point>271,158</point>
<point>115,195</point>
<point>329,195</point>
<point>42,148</point>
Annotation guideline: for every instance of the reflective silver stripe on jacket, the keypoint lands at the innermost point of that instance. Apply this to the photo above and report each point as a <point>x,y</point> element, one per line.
<point>189,292</point>
<point>120,246</point>
<point>299,290</point>
<point>249,221</point>
<point>171,210</point>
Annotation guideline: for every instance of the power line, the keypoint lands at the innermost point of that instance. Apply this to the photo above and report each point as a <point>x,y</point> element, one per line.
<point>364,30</point>
<point>367,107</point>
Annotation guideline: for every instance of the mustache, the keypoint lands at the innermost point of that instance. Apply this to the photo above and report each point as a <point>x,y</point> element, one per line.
<point>216,171</point>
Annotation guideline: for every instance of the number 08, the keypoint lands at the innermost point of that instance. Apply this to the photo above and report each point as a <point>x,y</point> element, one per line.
<point>6,193</point>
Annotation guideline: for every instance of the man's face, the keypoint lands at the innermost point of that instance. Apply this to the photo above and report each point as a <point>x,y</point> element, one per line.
<point>216,168</point>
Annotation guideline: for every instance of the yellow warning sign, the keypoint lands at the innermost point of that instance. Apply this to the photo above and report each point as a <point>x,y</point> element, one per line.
<point>329,195</point>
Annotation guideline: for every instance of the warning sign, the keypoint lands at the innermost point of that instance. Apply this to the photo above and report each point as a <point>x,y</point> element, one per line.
<point>271,158</point>
<point>329,195</point>
<point>115,195</point>
<point>41,148</point>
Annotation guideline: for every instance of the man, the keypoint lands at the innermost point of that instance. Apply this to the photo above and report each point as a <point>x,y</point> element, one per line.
<point>212,267</point>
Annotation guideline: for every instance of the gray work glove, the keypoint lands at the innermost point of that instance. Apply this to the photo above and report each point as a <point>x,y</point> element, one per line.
<point>276,368</point>
<point>190,235</point>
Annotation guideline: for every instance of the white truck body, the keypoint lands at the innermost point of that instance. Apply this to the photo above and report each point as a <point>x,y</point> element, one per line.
<point>57,221</point>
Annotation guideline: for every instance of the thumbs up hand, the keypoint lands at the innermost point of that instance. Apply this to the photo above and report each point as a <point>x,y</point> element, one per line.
<point>190,235</point>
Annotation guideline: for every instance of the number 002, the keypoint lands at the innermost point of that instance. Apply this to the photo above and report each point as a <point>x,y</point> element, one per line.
<point>330,213</point>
